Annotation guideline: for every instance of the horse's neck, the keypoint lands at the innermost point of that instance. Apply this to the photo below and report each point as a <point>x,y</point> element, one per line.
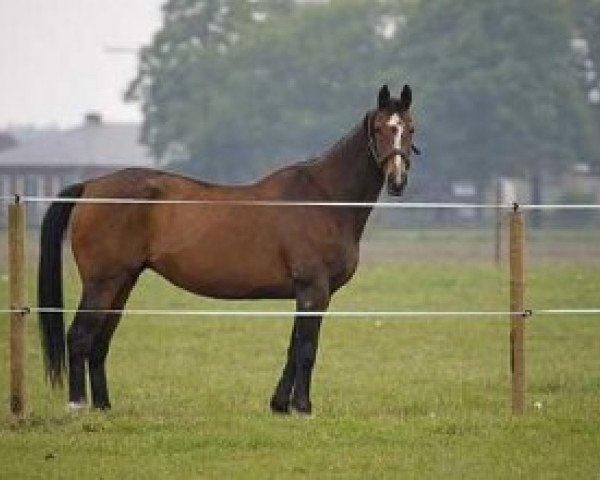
<point>347,174</point>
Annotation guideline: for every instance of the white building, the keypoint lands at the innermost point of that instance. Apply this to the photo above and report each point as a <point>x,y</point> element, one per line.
<point>43,166</point>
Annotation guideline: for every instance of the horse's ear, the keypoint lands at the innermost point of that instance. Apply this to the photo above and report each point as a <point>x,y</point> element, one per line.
<point>383,99</point>
<point>406,97</point>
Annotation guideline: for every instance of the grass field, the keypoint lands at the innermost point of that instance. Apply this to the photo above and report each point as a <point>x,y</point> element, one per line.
<point>410,398</point>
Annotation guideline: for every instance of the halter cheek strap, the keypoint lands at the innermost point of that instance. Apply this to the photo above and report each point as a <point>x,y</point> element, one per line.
<point>371,144</point>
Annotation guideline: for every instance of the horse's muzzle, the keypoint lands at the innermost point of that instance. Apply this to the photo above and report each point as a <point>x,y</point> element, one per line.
<point>396,188</point>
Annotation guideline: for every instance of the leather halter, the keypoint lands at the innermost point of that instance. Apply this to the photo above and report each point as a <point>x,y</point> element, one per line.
<point>379,160</point>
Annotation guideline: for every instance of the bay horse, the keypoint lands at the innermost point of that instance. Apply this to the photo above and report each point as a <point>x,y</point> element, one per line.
<point>222,250</point>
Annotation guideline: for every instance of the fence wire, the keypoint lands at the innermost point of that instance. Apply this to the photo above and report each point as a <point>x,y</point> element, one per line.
<point>334,313</point>
<point>308,203</point>
<point>392,314</point>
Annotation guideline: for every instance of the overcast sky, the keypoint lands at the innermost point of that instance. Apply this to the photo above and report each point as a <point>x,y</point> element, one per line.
<point>54,66</point>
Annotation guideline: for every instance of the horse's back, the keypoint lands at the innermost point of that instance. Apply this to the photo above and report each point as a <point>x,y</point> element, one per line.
<point>222,250</point>
<point>213,249</point>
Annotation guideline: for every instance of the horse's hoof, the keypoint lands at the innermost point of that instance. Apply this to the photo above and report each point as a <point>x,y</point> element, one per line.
<point>76,406</point>
<point>278,406</point>
<point>303,407</point>
<point>102,406</point>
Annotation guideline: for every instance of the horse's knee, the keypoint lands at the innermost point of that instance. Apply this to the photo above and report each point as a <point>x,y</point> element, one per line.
<point>312,295</point>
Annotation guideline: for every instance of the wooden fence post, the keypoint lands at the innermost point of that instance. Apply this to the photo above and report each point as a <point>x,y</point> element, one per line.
<point>498,224</point>
<point>16,277</point>
<point>517,317</point>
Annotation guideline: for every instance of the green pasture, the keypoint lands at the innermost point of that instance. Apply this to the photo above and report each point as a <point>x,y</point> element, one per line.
<point>417,397</point>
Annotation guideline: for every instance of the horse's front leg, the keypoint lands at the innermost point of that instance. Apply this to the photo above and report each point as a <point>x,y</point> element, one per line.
<point>280,401</point>
<point>310,298</point>
<point>297,372</point>
<point>306,344</point>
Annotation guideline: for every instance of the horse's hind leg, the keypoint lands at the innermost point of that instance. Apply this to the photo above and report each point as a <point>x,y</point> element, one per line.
<point>100,346</point>
<point>82,338</point>
<point>97,360</point>
<point>79,340</point>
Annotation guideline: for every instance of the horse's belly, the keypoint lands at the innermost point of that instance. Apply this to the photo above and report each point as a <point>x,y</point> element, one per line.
<point>215,272</point>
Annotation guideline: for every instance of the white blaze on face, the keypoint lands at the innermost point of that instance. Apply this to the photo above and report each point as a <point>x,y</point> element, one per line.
<point>395,121</point>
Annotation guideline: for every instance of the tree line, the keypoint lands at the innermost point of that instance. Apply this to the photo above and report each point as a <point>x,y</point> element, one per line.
<point>231,89</point>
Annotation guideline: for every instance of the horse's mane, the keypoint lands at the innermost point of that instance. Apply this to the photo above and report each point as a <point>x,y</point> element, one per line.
<point>306,163</point>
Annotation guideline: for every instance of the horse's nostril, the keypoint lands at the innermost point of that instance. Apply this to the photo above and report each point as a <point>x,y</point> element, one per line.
<point>396,188</point>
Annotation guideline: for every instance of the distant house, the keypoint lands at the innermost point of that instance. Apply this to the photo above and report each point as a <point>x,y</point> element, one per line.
<point>43,166</point>
<point>7,141</point>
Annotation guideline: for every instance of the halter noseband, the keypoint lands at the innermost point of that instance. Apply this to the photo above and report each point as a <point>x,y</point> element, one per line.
<point>380,161</point>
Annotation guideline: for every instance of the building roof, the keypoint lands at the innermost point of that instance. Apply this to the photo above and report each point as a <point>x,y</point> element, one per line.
<point>7,141</point>
<point>94,144</point>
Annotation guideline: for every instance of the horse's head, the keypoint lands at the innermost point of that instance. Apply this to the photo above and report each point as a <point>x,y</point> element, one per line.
<point>390,131</point>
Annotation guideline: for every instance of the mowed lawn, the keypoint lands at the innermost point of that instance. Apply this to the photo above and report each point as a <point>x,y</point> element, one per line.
<point>415,397</point>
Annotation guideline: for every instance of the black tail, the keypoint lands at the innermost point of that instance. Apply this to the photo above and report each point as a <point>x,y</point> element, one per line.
<point>50,288</point>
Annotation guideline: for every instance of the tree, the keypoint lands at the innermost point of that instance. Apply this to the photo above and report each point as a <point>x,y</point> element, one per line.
<point>585,45</point>
<point>498,94</point>
<point>495,91</point>
<point>290,88</point>
<point>190,28</point>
